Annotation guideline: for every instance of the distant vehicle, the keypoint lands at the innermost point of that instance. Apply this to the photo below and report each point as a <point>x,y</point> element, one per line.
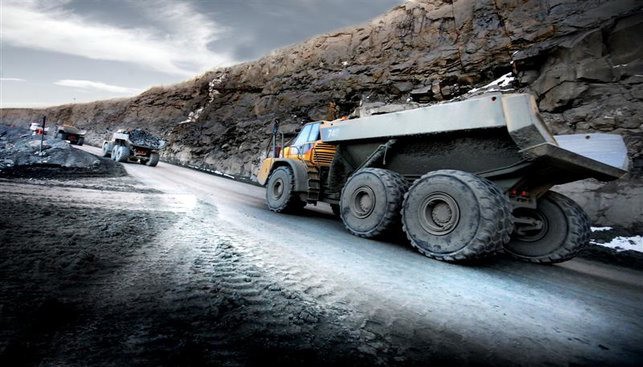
<point>71,134</point>
<point>36,128</point>
<point>134,145</point>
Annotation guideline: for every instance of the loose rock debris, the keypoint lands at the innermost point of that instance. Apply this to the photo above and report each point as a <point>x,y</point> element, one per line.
<point>25,155</point>
<point>141,137</point>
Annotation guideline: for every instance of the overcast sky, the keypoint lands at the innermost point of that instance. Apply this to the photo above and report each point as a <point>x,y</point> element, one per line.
<point>64,51</point>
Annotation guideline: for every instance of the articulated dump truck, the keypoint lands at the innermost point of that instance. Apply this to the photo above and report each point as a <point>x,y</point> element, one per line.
<point>463,179</point>
<point>133,145</point>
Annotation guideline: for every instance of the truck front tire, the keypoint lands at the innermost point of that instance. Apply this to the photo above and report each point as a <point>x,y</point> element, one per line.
<point>370,202</point>
<point>564,232</point>
<point>106,151</point>
<point>122,153</point>
<point>280,194</point>
<point>454,215</point>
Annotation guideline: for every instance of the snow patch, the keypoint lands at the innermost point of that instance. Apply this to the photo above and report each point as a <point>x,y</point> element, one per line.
<point>601,229</point>
<point>193,116</point>
<point>497,85</point>
<point>212,92</point>
<point>634,243</point>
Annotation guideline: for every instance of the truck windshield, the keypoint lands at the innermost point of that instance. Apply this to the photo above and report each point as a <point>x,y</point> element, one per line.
<point>309,134</point>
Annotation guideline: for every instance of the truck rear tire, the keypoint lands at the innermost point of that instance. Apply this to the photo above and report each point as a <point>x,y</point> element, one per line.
<point>81,140</point>
<point>370,202</point>
<point>454,215</point>
<point>154,160</point>
<point>280,194</point>
<point>564,233</point>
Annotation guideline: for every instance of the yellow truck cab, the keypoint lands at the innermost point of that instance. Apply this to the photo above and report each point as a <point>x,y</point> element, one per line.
<point>306,149</point>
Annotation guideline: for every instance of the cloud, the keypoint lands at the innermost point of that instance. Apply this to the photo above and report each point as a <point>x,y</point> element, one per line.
<point>176,45</point>
<point>11,80</point>
<point>88,84</point>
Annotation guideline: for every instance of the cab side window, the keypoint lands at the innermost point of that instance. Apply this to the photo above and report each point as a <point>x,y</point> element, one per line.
<point>307,136</point>
<point>313,136</point>
<point>302,138</point>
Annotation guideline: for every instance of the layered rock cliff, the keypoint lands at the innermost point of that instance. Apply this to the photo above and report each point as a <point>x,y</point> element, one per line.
<point>582,59</point>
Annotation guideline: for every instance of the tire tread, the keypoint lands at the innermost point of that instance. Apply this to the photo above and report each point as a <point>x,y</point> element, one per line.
<point>492,233</point>
<point>577,236</point>
<point>293,203</point>
<point>396,186</point>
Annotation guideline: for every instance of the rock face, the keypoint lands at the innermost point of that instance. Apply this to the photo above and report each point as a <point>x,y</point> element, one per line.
<point>582,59</point>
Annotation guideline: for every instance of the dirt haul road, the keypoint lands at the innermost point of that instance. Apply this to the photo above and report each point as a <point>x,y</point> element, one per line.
<point>222,280</point>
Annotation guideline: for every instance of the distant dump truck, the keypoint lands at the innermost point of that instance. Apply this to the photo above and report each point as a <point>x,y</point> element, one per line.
<point>134,145</point>
<point>462,179</point>
<point>70,133</point>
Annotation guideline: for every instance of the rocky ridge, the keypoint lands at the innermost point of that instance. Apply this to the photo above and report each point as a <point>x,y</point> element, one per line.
<point>581,59</point>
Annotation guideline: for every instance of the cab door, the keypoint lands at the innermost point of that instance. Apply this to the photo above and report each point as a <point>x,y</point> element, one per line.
<point>301,148</point>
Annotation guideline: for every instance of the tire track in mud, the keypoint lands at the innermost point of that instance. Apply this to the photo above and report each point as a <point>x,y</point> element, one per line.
<point>378,328</point>
<point>200,287</point>
<point>368,328</point>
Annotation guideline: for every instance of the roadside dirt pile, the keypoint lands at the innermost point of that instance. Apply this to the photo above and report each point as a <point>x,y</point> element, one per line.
<point>21,155</point>
<point>582,59</point>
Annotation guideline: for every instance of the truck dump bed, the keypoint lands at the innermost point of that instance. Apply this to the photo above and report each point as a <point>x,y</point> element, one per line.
<point>562,158</point>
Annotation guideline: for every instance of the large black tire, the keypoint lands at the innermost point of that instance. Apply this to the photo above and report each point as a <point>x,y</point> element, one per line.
<point>81,140</point>
<point>453,216</point>
<point>122,153</point>
<point>370,202</point>
<point>564,233</point>
<point>60,136</point>
<point>280,194</point>
<point>154,160</point>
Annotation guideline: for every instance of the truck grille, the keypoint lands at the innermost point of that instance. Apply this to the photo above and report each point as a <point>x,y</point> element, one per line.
<point>323,154</point>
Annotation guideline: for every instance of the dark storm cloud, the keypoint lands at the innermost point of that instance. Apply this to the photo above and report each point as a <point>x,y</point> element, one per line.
<point>251,28</point>
<point>258,27</point>
<point>55,46</point>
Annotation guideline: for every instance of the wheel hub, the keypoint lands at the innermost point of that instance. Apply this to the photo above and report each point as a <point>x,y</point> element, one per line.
<point>363,202</point>
<point>278,188</point>
<point>531,225</point>
<point>439,214</point>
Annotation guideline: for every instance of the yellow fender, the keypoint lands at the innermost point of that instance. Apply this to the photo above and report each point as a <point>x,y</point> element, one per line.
<point>298,168</point>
